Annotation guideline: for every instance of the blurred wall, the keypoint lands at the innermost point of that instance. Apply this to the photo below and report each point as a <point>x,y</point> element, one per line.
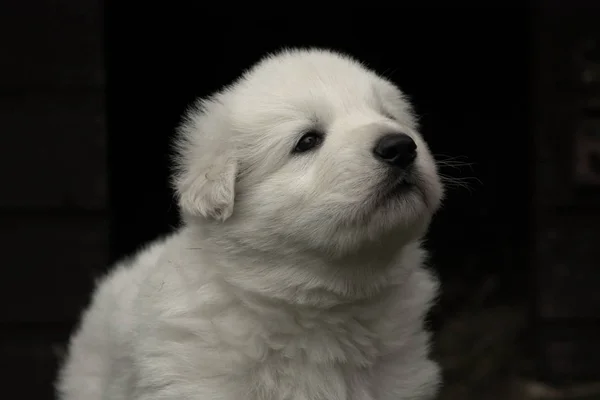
<point>53,229</point>
<point>566,198</point>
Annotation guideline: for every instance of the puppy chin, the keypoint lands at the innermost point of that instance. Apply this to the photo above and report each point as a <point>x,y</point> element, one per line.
<point>417,191</point>
<point>401,208</point>
<point>405,213</point>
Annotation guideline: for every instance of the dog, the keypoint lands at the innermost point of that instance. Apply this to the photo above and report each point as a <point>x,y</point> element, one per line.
<point>298,272</point>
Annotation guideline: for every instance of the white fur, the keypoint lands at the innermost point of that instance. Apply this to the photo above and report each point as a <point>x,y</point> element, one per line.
<point>292,278</point>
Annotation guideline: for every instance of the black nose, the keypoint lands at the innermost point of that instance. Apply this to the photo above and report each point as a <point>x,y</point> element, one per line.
<point>397,149</point>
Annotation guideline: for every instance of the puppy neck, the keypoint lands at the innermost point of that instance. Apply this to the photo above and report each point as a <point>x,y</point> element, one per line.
<point>307,278</point>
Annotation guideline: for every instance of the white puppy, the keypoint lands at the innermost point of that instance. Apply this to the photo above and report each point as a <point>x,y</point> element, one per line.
<point>298,273</point>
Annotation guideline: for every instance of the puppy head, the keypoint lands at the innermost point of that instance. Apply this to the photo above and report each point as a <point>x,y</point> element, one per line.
<point>310,147</point>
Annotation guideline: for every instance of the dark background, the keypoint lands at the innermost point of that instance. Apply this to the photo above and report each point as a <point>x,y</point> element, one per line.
<point>90,94</point>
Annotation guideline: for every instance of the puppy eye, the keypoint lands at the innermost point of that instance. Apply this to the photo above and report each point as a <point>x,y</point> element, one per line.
<point>308,141</point>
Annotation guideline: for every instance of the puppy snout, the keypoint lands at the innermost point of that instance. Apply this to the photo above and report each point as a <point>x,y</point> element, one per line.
<point>396,149</point>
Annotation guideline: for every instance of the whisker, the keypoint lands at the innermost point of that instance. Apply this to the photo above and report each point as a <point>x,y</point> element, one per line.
<point>448,157</point>
<point>462,182</point>
<point>454,162</point>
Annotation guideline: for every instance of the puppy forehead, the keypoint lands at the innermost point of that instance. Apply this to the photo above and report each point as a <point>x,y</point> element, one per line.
<point>316,68</point>
<point>313,84</point>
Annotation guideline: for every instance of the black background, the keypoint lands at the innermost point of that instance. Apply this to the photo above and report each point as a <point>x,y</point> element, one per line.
<point>466,71</point>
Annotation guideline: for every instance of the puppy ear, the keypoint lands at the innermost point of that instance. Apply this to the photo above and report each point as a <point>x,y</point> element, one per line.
<point>206,171</point>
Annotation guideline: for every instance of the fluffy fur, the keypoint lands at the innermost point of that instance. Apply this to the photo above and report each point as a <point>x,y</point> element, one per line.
<point>294,276</point>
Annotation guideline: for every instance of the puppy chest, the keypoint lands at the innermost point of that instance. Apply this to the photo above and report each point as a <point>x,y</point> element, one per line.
<point>316,362</point>
<point>296,357</point>
<point>282,379</point>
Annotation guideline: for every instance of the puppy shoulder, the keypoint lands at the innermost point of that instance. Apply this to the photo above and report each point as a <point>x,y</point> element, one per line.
<point>181,281</point>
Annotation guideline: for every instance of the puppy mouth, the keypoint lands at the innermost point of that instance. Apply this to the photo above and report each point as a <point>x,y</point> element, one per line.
<point>399,184</point>
<point>398,187</point>
<point>408,186</point>
<point>396,193</point>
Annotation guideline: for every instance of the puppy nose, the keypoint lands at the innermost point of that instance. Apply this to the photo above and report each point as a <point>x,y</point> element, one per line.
<point>397,149</point>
